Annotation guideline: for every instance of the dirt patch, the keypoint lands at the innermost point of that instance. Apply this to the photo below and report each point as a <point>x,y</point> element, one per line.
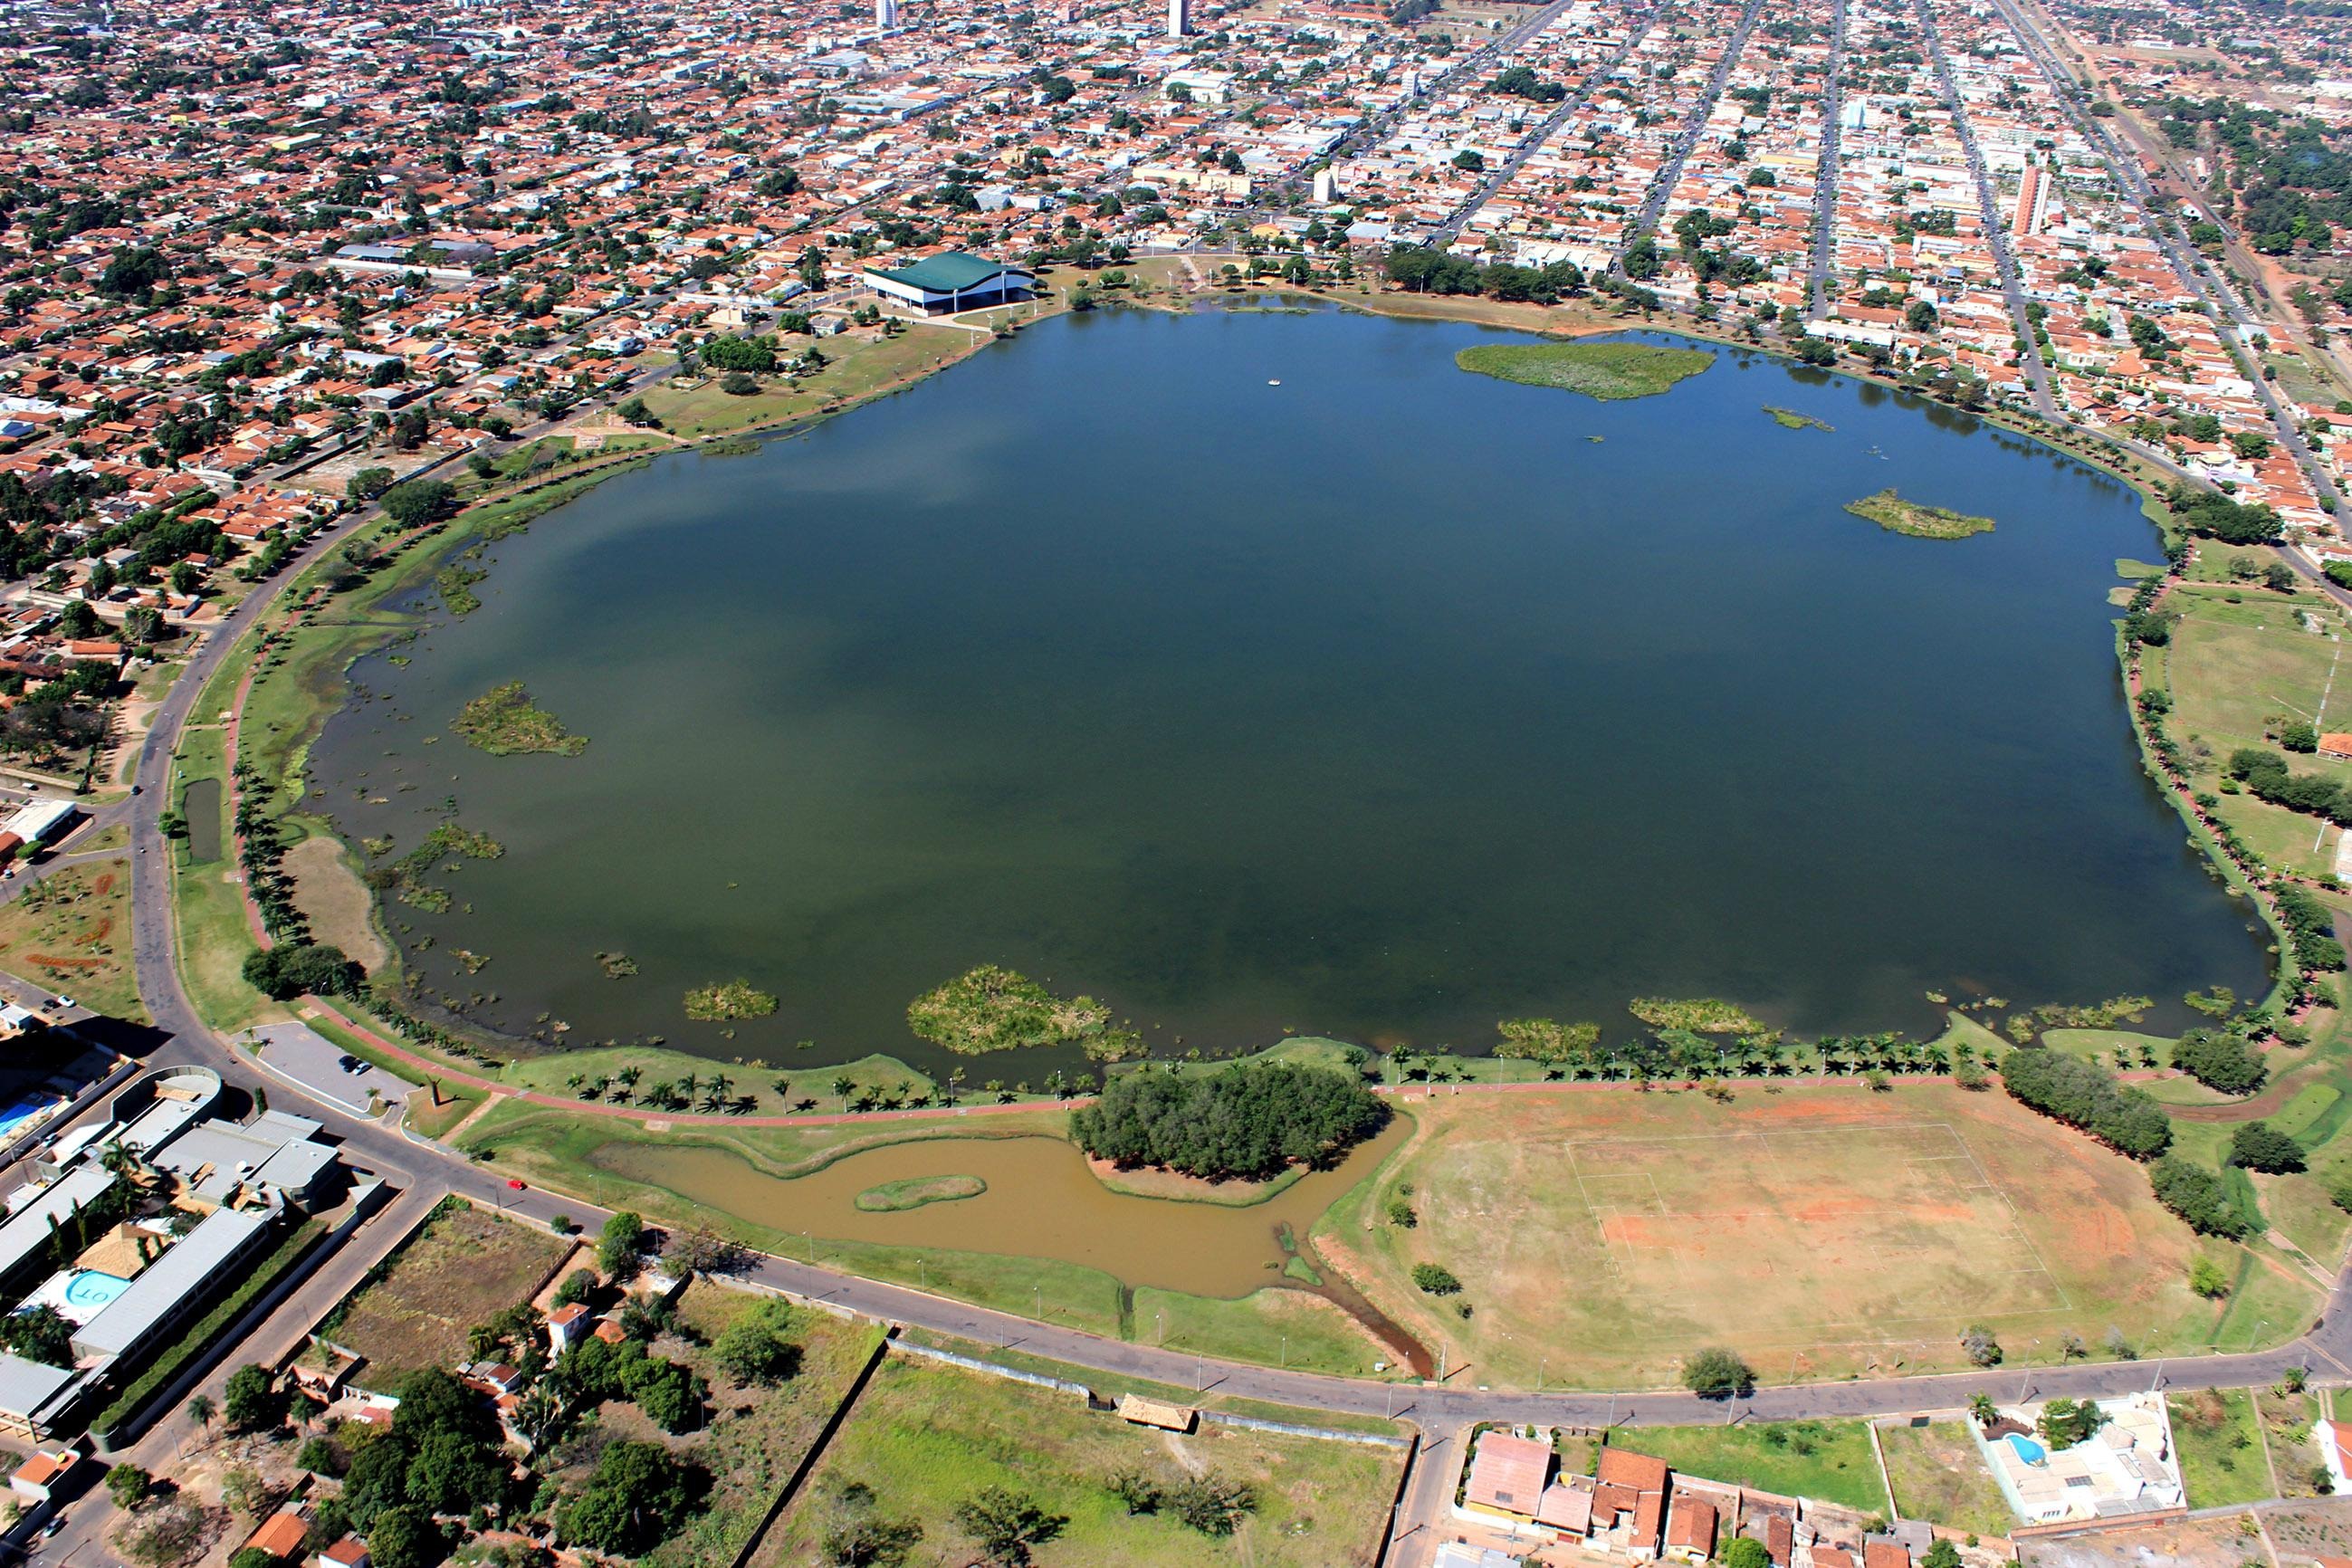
<point>2227,1542</point>
<point>2310,1530</point>
<point>335,901</point>
<point>463,1268</point>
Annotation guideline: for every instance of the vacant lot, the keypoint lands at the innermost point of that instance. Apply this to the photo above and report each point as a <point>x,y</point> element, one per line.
<point>925,1437</point>
<point>2220,1453</point>
<point>70,932</point>
<point>1939,1477</point>
<point>1828,1461</point>
<point>462,1268</point>
<point>1600,1236</point>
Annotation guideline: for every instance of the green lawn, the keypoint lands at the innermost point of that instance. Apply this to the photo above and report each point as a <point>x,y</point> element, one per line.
<point>1275,1327</point>
<point>1827,1460</point>
<point>925,1437</point>
<point>1938,1476</point>
<point>2221,1454</point>
<point>553,1074</point>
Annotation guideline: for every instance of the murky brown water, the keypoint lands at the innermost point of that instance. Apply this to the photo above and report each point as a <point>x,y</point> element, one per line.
<point>1042,1202</point>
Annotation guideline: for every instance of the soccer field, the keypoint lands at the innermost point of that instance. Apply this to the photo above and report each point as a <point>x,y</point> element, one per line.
<point>1602,1234</point>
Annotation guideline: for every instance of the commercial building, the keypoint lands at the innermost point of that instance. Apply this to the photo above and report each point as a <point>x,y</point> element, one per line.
<point>951,281</point>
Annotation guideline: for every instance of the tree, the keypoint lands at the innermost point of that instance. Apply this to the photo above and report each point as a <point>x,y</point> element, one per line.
<point>1470,161</point>
<point>2219,1060</point>
<point>870,1542</point>
<point>2083,1095</point>
<point>2208,1278</point>
<point>200,1410</point>
<point>1212,1505</point>
<point>1717,1374</point>
<point>1979,1346</point>
<point>127,1484</point>
<point>419,501</point>
<point>1744,1551</point>
<point>756,1347</point>
<point>39,1333</point>
<point>303,968</point>
<point>1007,1526</point>
<point>636,1497</point>
<point>405,1538</point>
<point>2258,1146</point>
<point>250,1402</point>
<point>621,1245</point>
<point>2199,1196</point>
<point>1248,1122</point>
<point>1940,1553</point>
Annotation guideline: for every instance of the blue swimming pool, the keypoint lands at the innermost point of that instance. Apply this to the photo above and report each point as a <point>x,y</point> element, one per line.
<point>2027,1449</point>
<point>23,1110</point>
<point>90,1288</point>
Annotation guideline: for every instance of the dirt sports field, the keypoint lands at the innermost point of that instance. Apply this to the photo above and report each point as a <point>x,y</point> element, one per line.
<point>1601,1233</point>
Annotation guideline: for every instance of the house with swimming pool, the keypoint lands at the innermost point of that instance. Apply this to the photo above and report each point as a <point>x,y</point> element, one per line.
<point>2126,1468</point>
<point>131,1228</point>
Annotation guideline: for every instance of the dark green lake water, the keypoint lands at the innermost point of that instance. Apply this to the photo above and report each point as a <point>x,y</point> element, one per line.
<point>1383,704</point>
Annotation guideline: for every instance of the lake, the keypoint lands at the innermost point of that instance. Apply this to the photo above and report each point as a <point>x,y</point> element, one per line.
<point>1383,704</point>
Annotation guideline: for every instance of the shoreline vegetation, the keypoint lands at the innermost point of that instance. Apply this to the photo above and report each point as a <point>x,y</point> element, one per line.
<point>504,722</point>
<point>1789,419</point>
<point>727,1000</point>
<point>1895,514</point>
<point>1610,372</point>
<point>916,1192</point>
<point>988,1008</point>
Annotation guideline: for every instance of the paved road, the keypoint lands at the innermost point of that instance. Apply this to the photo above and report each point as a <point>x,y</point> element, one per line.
<point>2037,376</point>
<point>1825,172</point>
<point>1670,172</point>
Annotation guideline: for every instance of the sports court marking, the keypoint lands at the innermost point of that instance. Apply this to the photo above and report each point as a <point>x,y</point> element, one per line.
<point>1611,1194</point>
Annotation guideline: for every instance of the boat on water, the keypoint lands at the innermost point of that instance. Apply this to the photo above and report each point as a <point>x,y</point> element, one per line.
<point>1272,383</point>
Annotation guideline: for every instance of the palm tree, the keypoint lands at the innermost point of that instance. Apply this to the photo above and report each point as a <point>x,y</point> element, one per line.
<point>844,1086</point>
<point>627,1076</point>
<point>720,1084</point>
<point>200,1410</point>
<point>688,1084</point>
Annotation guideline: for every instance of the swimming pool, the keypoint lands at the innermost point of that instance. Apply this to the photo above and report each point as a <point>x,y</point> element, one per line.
<point>89,1289</point>
<point>2027,1449</point>
<point>22,1112</point>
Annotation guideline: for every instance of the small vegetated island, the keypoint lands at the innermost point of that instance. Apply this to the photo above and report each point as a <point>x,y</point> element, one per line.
<point>1249,1121</point>
<point>728,1000</point>
<point>991,1009</point>
<point>1892,512</point>
<point>913,1192</point>
<point>504,722</point>
<point>1789,419</point>
<point>1610,372</point>
<point>1702,1015</point>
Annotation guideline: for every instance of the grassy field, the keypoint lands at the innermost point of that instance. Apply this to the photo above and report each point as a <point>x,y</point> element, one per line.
<point>460,1269</point>
<point>757,1435</point>
<point>1820,1231</point>
<point>859,365</point>
<point>1938,1476</point>
<point>430,1120</point>
<point>925,1437</point>
<point>1278,1328</point>
<point>1828,1461</point>
<point>2220,1453</point>
<point>1610,372</point>
<point>70,931</point>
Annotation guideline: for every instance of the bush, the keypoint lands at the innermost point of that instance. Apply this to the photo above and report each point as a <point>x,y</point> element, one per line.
<point>1718,1374</point>
<point>2083,1095</point>
<point>1980,1347</point>
<point>2209,1279</point>
<point>1436,1279</point>
<point>2197,1195</point>
<point>2258,1146</point>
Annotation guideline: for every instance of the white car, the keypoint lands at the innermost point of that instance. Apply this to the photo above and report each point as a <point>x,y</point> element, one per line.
<point>64,1002</point>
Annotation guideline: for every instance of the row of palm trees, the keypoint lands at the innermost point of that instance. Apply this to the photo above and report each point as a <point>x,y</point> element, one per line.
<point>717,1095</point>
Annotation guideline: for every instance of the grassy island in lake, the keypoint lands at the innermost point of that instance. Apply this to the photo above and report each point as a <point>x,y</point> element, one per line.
<point>1703,1014</point>
<point>1891,511</point>
<point>504,722</point>
<point>992,1009</point>
<point>1789,419</point>
<point>895,1197</point>
<point>728,999</point>
<point>1606,371</point>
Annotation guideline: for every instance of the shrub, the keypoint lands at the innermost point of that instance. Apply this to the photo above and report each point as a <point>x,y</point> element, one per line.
<point>2209,1279</point>
<point>1980,1347</point>
<point>1436,1279</point>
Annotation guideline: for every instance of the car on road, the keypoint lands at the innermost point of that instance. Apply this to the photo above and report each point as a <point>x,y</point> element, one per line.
<point>517,1182</point>
<point>350,1063</point>
<point>64,1002</point>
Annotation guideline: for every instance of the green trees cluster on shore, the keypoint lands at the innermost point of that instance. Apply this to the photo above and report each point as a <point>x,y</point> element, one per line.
<point>1248,1122</point>
<point>2083,1095</point>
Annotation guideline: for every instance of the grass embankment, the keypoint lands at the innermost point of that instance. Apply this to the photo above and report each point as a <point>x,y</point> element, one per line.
<point>1938,1476</point>
<point>505,722</point>
<point>1895,514</point>
<point>924,1437</point>
<point>70,931</point>
<point>1610,372</point>
<point>1828,1461</point>
<point>203,1336</point>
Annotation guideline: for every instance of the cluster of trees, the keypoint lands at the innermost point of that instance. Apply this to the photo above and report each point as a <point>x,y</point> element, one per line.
<point>1521,81</point>
<point>633,1501</point>
<point>443,1455</point>
<point>303,968</point>
<point>2084,1095</point>
<point>1211,1504</point>
<point>1248,1122</point>
<point>420,501</point>
<point>2219,1060</point>
<point>2259,1146</point>
<point>2205,1199</point>
<point>596,1370</point>
<point>1427,270</point>
<point>2310,927</point>
<point>2216,516</point>
<point>2266,776</point>
<point>752,356</point>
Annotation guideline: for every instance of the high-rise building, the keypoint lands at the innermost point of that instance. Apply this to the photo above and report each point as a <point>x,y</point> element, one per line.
<point>1179,17</point>
<point>885,15</point>
<point>1327,184</point>
<point>2032,203</point>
